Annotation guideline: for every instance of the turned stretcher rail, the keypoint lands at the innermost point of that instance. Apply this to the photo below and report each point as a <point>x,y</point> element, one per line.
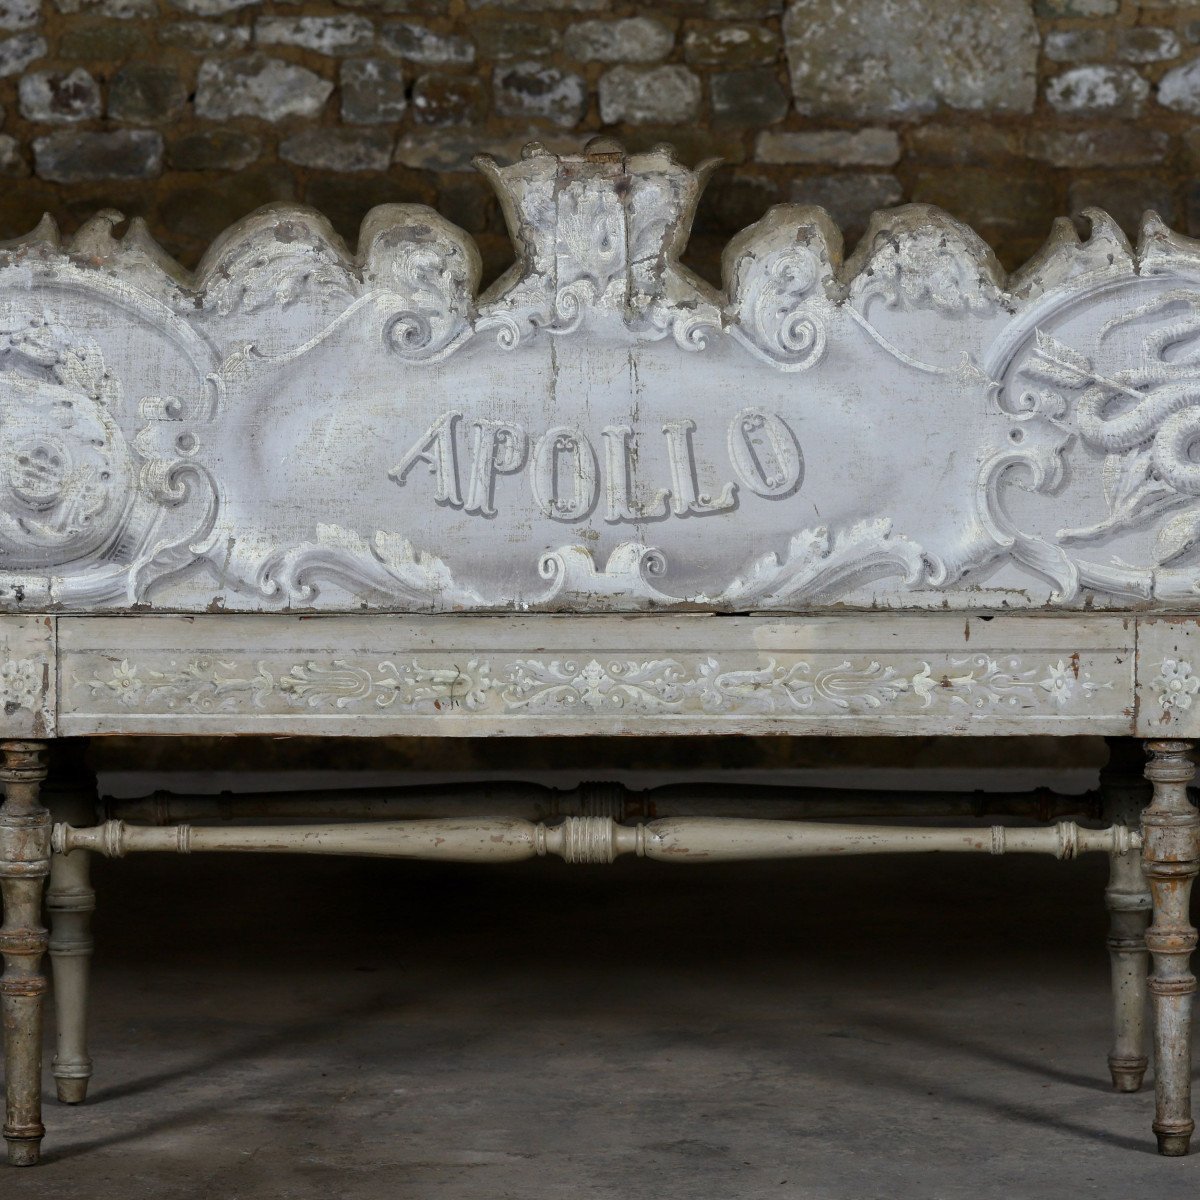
<point>538,802</point>
<point>592,839</point>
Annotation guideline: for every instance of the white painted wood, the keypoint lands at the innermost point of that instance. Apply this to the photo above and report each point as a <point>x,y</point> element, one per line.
<point>24,865</point>
<point>1171,828</point>
<point>1124,793</point>
<point>28,700</point>
<point>551,676</point>
<point>971,501</point>
<point>592,839</point>
<point>298,426</point>
<point>70,902</point>
<point>1168,677</point>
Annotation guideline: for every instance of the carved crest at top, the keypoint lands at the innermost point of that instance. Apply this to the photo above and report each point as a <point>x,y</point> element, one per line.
<point>597,232</point>
<point>301,426</point>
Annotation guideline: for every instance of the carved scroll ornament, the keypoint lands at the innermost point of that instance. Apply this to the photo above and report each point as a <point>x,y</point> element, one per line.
<point>295,426</point>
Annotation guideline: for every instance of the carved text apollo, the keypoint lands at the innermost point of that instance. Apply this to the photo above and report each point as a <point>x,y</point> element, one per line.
<point>565,473</point>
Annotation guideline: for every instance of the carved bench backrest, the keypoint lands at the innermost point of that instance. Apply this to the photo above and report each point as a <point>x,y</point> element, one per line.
<point>298,427</point>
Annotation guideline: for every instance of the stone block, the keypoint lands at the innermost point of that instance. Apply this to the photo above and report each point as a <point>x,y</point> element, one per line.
<point>211,8</point>
<point>1076,8</point>
<point>1098,90</point>
<point>55,98</point>
<point>345,199</point>
<point>17,53</point>
<point>448,150</point>
<point>649,95</point>
<point>842,147</point>
<point>254,85</point>
<point>146,94</point>
<point>1076,45</point>
<point>470,203</point>
<point>214,150</point>
<point>1193,209</point>
<point>420,44</point>
<point>203,35</point>
<point>732,202</point>
<point>1147,44</point>
<point>203,212</point>
<point>730,45</point>
<point>911,57</point>
<point>75,157</point>
<point>542,6</point>
<point>971,144</point>
<point>341,150</point>
<point>691,143</point>
<point>849,198</point>
<point>1179,88</point>
<point>426,8</point>
<point>120,10</point>
<point>743,10</point>
<point>373,91</point>
<point>1003,205</point>
<point>440,99</point>
<point>12,161</point>
<point>101,41</point>
<point>16,15</point>
<point>529,89</point>
<point>750,98</point>
<point>343,34</point>
<point>1110,146</point>
<point>629,40</point>
<point>502,41</point>
<point>1125,200</point>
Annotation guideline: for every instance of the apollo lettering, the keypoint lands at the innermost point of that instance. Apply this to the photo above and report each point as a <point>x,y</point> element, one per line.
<point>568,474</point>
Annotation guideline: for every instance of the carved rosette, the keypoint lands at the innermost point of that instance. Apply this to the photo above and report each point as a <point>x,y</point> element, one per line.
<point>98,487</point>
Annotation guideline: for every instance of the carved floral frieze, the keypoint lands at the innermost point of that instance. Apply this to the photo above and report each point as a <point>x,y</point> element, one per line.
<point>299,427</point>
<point>589,685</point>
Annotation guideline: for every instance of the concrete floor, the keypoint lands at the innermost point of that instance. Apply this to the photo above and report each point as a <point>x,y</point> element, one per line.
<point>825,1031</point>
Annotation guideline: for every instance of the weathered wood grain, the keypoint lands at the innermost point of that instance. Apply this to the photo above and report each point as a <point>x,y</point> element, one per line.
<point>592,839</point>
<point>1172,858</point>
<point>24,865</point>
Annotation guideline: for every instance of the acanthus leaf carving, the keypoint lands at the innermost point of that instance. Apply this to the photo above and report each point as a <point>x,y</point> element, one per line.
<point>384,564</point>
<point>780,273</point>
<point>819,562</point>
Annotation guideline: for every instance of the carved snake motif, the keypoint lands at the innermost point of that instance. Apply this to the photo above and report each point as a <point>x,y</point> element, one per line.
<point>1167,416</point>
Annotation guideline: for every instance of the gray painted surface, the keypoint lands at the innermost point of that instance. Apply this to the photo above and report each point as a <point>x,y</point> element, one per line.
<point>367,1030</point>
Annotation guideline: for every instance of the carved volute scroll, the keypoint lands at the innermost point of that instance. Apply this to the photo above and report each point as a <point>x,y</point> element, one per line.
<point>296,426</point>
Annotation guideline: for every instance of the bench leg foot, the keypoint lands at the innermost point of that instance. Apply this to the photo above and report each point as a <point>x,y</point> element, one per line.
<point>24,865</point>
<point>1170,826</point>
<point>1125,792</point>
<point>70,901</point>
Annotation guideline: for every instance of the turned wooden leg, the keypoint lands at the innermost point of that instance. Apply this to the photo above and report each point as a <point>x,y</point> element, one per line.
<point>1125,793</point>
<point>24,865</point>
<point>1170,826</point>
<point>70,901</point>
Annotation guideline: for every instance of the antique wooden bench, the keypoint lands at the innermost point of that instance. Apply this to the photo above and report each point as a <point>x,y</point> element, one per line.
<point>312,492</point>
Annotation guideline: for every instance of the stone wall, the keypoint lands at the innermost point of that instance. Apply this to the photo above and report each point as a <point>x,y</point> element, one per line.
<point>191,113</point>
